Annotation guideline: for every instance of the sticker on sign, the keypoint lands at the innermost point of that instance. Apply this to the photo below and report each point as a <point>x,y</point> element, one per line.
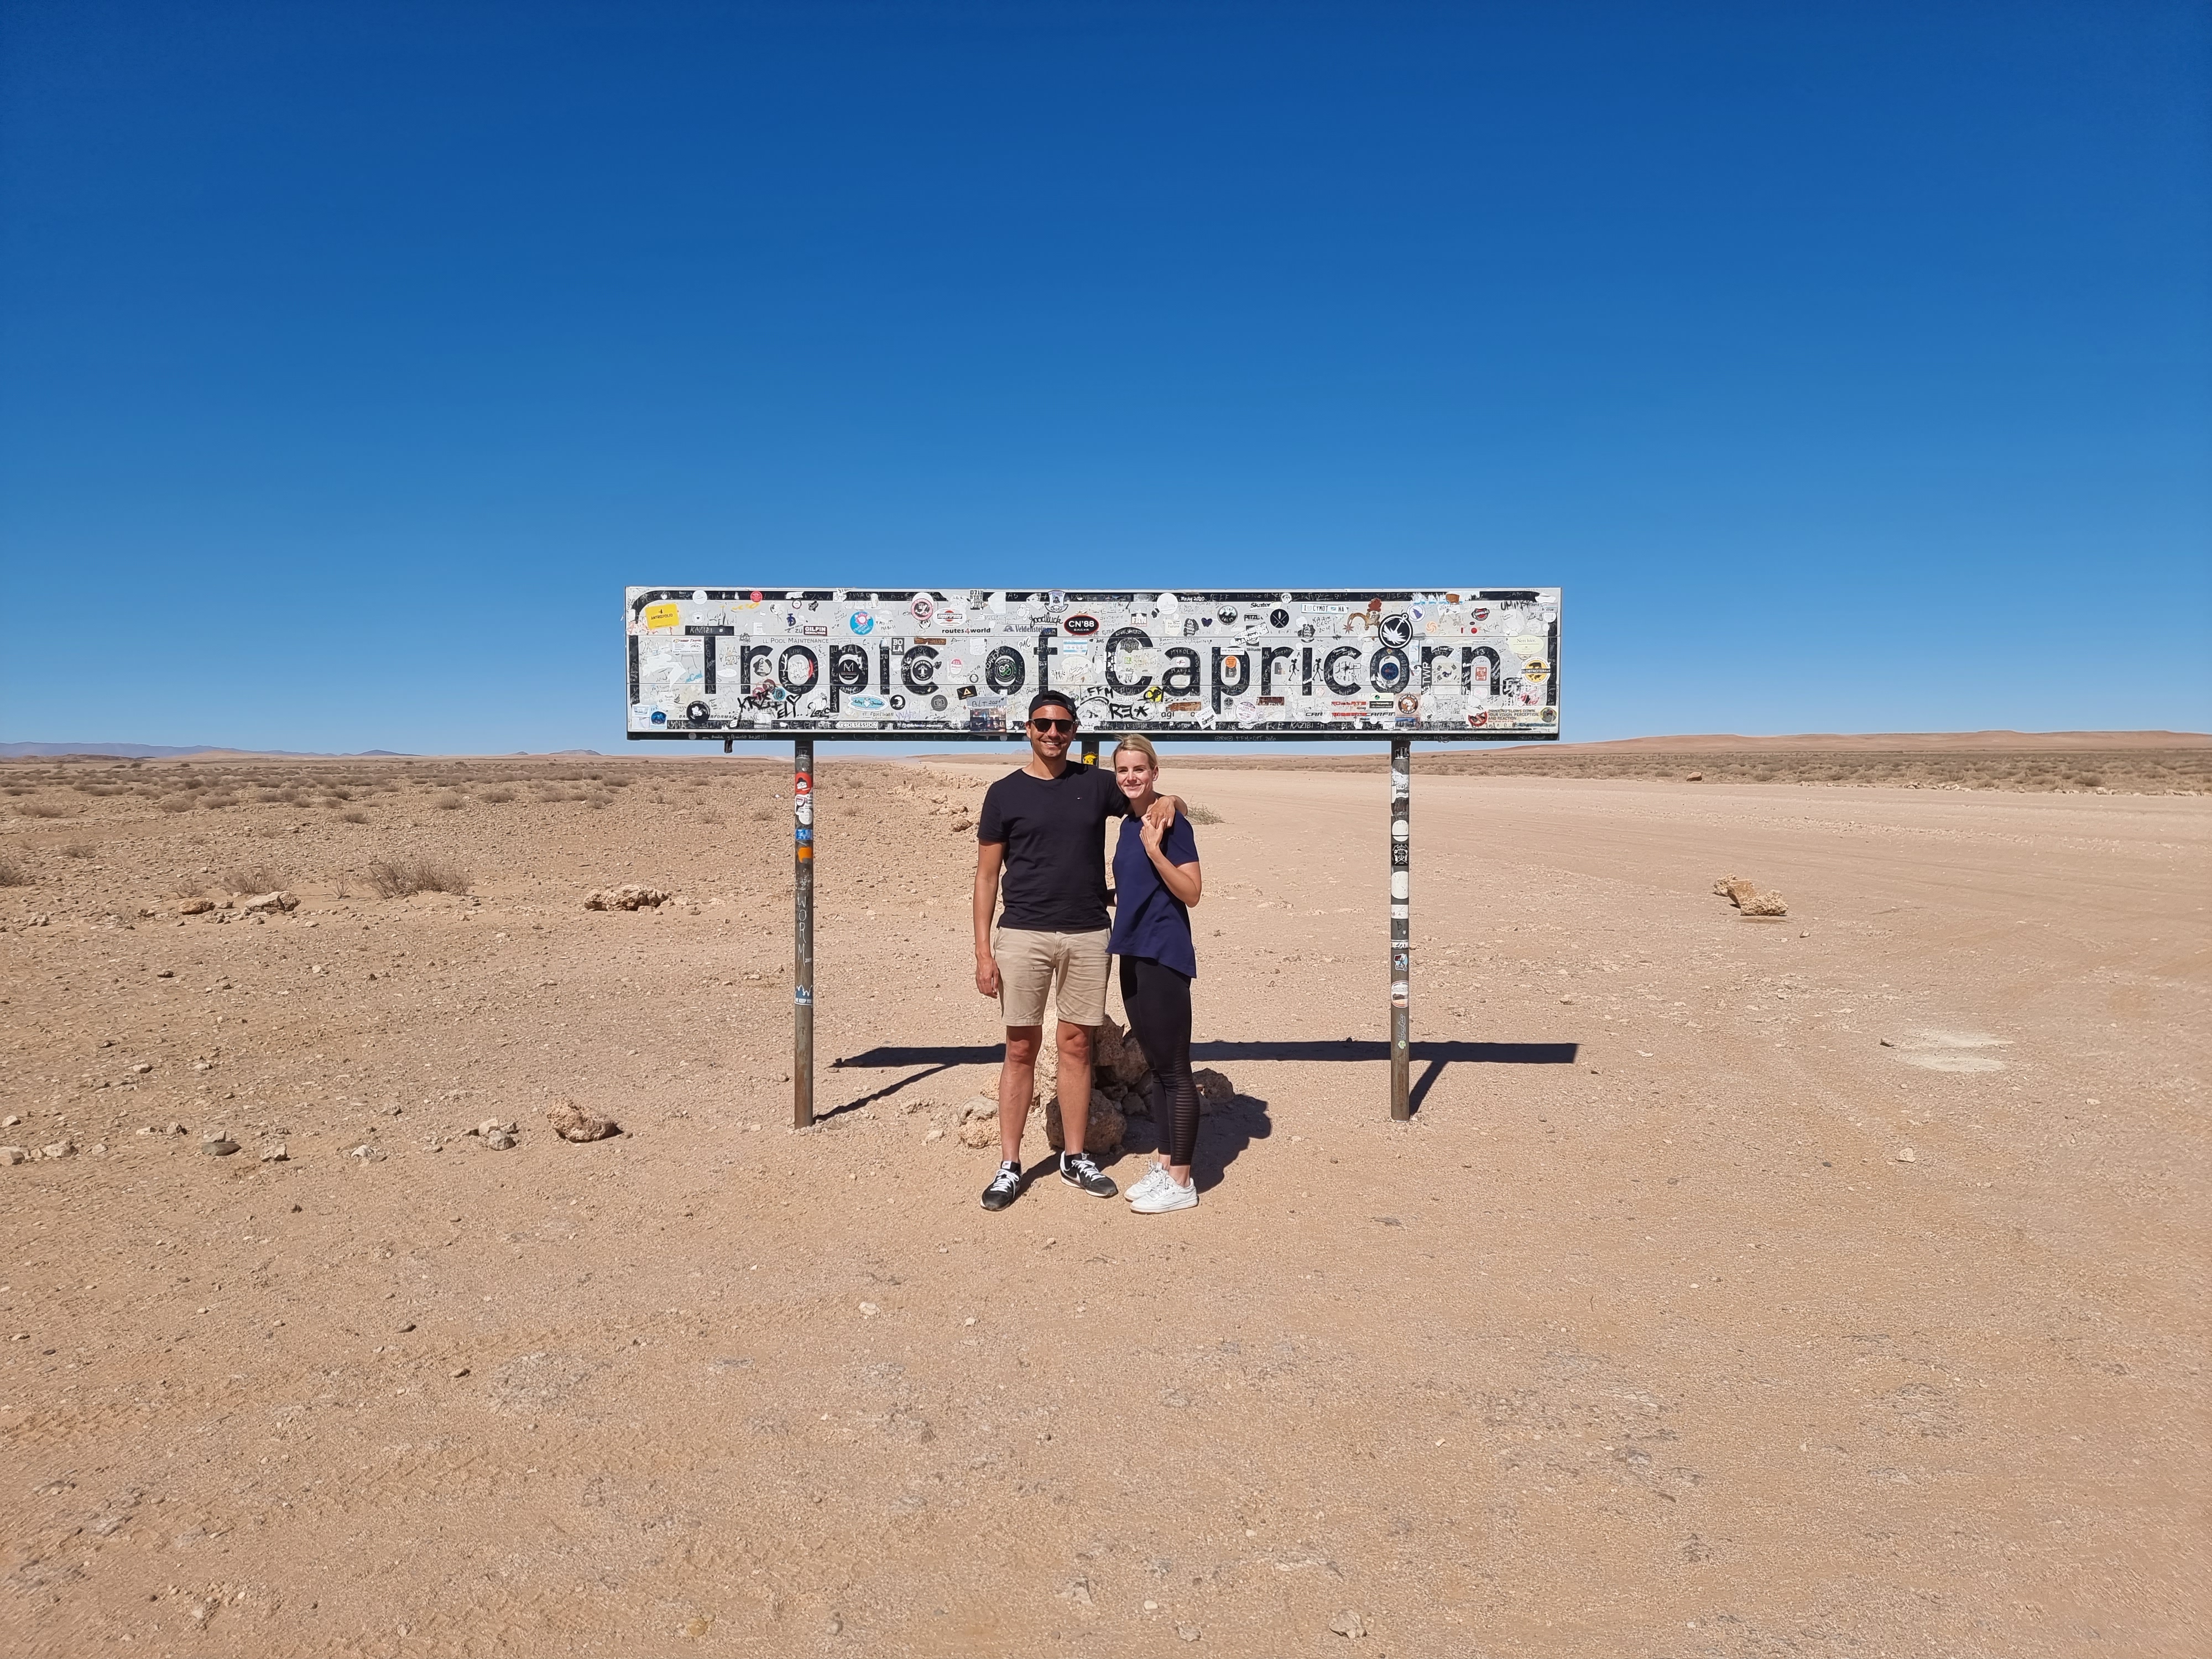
<point>1450,662</point>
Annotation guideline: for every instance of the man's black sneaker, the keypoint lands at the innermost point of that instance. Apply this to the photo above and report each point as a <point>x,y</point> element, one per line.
<point>1077,1170</point>
<point>1005,1187</point>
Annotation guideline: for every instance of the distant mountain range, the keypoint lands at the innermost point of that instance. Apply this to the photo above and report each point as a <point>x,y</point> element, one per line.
<point>169,751</point>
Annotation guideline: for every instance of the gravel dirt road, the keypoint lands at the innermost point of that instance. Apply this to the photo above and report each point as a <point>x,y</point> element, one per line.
<point>1826,1284</point>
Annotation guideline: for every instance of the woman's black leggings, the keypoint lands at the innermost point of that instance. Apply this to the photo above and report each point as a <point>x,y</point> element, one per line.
<point>1159,1003</point>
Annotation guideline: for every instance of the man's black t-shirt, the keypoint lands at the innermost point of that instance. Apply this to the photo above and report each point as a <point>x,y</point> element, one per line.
<point>1054,831</point>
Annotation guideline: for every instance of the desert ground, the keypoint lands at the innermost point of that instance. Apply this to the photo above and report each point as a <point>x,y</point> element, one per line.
<point>1822,1284</point>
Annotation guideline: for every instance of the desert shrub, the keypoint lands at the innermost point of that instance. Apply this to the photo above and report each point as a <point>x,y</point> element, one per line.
<point>1203,815</point>
<point>354,815</point>
<point>174,804</point>
<point>448,802</point>
<point>339,793</point>
<point>291,797</point>
<point>596,802</point>
<point>498,792</point>
<point>76,849</point>
<point>399,877</point>
<point>217,803</point>
<point>12,874</point>
<point>41,809</point>
<point>250,879</point>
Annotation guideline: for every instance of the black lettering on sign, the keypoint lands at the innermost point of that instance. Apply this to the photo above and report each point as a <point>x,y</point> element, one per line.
<point>1181,680</point>
<point>1429,654</point>
<point>1329,671</point>
<point>1267,656</point>
<point>1004,669</point>
<point>1127,639</point>
<point>806,655</point>
<point>633,668</point>
<point>849,667</point>
<point>707,664</point>
<point>1387,670</point>
<point>746,677</point>
<point>1044,658</point>
<point>1225,664</point>
<point>1305,672</point>
<point>919,669</point>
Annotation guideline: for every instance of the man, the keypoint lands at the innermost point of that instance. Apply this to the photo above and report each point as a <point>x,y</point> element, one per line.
<point>1043,829</point>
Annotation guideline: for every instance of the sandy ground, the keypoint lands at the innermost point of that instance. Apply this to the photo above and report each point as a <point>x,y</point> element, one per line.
<point>1646,1336</point>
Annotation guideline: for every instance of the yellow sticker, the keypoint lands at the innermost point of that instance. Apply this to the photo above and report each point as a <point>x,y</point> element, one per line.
<point>664,615</point>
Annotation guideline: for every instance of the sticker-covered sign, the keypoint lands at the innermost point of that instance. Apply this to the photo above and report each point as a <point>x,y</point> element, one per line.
<point>1456,662</point>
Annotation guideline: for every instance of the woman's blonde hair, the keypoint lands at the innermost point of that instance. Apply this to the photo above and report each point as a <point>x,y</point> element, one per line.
<point>1143,745</point>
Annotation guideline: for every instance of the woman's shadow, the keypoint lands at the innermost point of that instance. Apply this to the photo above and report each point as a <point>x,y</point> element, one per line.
<point>1225,1128</point>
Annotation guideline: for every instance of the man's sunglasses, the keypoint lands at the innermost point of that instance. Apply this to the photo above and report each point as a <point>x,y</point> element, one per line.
<point>1052,725</point>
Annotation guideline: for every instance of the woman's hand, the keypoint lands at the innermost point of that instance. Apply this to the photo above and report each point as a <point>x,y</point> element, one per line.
<point>1151,831</point>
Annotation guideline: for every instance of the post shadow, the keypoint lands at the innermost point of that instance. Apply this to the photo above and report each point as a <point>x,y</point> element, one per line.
<point>1438,1054</point>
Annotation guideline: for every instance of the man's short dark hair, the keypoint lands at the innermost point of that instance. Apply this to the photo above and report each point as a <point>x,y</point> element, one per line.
<point>1051,700</point>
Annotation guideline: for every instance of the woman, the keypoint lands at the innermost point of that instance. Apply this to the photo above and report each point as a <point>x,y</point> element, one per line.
<point>1155,880</point>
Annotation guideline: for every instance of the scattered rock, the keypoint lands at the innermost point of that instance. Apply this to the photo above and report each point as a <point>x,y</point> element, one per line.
<point>9,1121</point>
<point>277,1153</point>
<point>1101,1134</point>
<point>1734,889</point>
<point>1188,1632</point>
<point>979,1123</point>
<point>500,1141</point>
<point>198,907</point>
<point>218,1146</point>
<point>934,1134</point>
<point>1695,777</point>
<point>1763,904</point>
<point>1908,1156</point>
<point>12,1155</point>
<point>60,1148</point>
<point>267,903</point>
<point>143,1067</point>
<point>1214,1089</point>
<point>1348,1623</point>
<point>630,895</point>
<point>368,1154</point>
<point>167,973</point>
<point>571,1122</point>
<point>175,1129</point>
<point>493,1126</point>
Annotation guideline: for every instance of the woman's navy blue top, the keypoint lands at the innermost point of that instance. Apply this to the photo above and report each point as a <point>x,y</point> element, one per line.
<point>1150,921</point>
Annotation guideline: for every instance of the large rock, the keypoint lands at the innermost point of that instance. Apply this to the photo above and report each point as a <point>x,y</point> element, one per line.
<point>630,895</point>
<point>1214,1089</point>
<point>1763,904</point>
<point>571,1122</point>
<point>277,903</point>
<point>1734,889</point>
<point>1115,1054</point>
<point>1102,1134</point>
<point>979,1123</point>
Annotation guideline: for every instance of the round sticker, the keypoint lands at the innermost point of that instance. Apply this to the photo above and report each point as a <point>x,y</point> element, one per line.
<point>697,711</point>
<point>1279,617</point>
<point>861,622</point>
<point>1227,613</point>
<point>937,702</point>
<point>1395,628</point>
<point>923,607</point>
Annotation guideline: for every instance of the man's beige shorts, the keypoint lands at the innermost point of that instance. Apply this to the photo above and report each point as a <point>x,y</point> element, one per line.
<point>1030,963</point>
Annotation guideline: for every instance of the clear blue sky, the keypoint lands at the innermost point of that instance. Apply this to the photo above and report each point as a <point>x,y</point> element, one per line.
<point>1850,365</point>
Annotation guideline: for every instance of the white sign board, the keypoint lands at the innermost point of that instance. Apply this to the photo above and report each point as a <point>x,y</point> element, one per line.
<point>1460,662</point>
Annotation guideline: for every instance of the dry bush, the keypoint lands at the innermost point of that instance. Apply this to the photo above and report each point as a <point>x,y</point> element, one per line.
<point>498,792</point>
<point>354,815</point>
<point>597,802</point>
<point>174,804</point>
<point>267,796</point>
<point>12,874</point>
<point>219,803</point>
<point>448,802</point>
<point>401,878</point>
<point>41,809</point>
<point>339,793</point>
<point>249,879</point>
<point>292,797</point>
<point>1202,815</point>
<point>76,849</point>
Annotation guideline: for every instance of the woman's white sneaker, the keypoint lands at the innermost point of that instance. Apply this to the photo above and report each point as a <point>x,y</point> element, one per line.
<point>1145,1183</point>
<point>1168,1195</point>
